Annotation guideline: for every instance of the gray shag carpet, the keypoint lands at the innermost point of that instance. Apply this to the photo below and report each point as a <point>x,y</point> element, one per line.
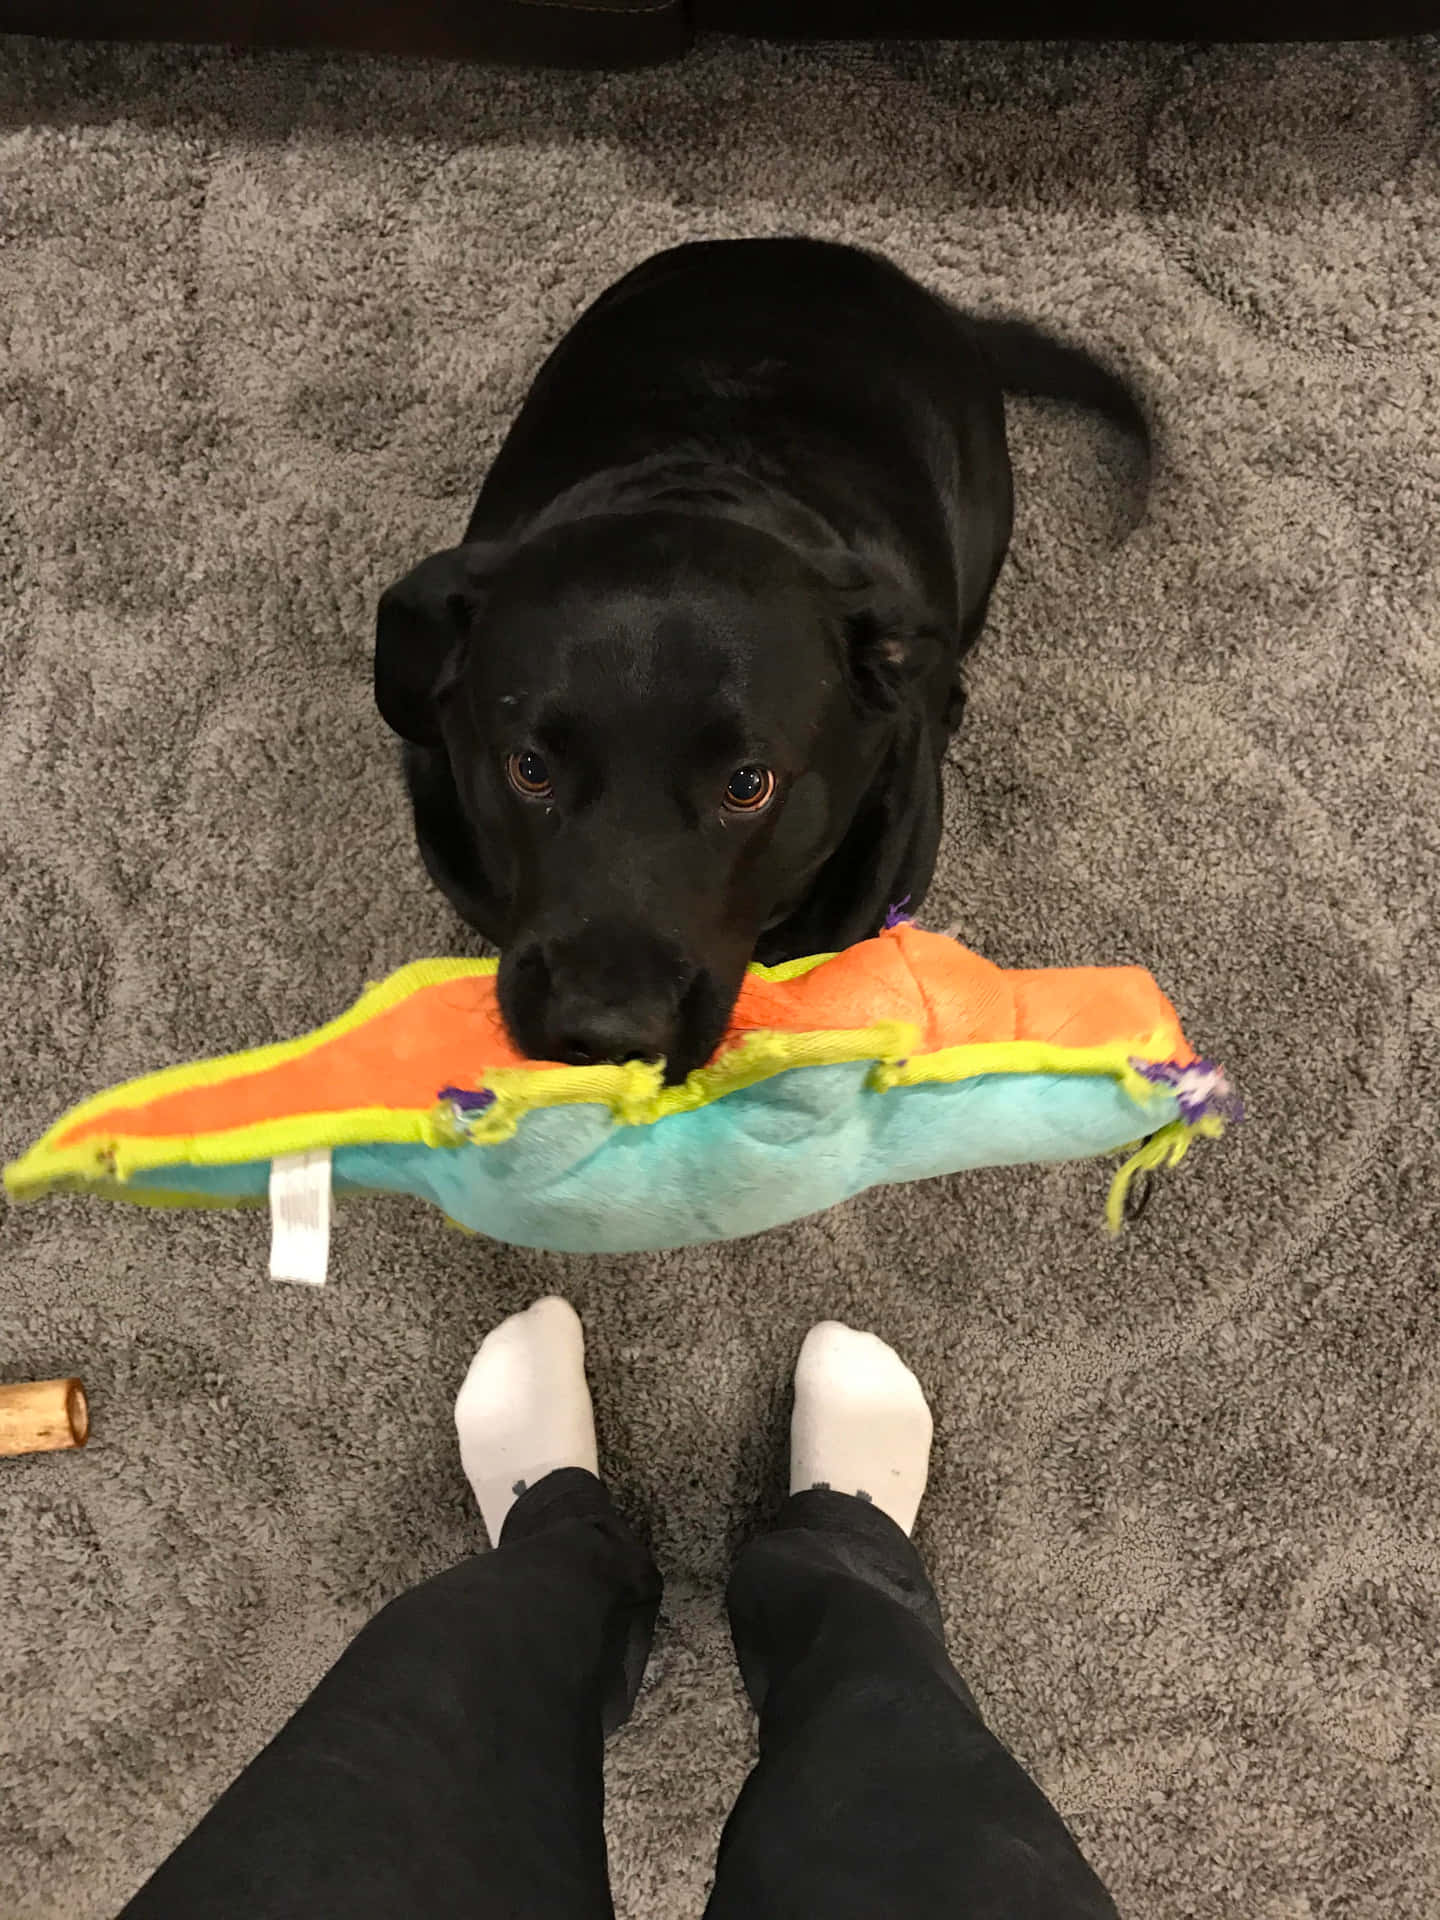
<point>264,321</point>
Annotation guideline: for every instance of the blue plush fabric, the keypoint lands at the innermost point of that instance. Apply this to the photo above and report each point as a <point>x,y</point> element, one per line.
<point>574,1181</point>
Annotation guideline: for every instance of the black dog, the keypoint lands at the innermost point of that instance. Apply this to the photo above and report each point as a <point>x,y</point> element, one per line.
<point>680,699</point>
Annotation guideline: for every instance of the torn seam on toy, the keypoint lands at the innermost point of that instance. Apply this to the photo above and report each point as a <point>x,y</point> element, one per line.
<point>637,1096</point>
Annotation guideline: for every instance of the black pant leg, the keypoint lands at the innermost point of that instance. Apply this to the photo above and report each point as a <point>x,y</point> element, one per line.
<point>879,1791</point>
<point>450,1763</point>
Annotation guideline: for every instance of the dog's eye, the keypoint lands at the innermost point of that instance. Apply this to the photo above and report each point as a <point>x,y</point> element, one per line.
<point>750,789</point>
<point>529,774</point>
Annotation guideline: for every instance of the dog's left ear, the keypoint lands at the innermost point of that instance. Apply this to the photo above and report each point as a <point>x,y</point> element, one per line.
<point>892,646</point>
<point>421,630</point>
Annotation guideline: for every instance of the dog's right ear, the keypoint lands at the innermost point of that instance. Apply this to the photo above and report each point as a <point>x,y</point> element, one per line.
<point>421,629</point>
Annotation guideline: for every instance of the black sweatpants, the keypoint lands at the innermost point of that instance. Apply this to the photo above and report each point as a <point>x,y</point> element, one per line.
<point>450,1764</point>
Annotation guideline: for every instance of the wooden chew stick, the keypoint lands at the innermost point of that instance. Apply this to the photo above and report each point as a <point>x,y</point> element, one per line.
<point>42,1416</point>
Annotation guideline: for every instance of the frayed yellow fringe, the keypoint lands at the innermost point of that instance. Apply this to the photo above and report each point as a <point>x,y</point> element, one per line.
<point>1167,1148</point>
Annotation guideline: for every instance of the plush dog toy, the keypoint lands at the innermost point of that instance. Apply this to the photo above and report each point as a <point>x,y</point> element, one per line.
<point>900,1058</point>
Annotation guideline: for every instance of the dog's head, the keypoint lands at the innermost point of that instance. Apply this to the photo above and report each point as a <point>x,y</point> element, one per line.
<point>658,730</point>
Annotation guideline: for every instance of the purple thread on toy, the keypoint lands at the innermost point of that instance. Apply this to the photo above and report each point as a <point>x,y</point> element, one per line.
<point>896,916</point>
<point>467,1101</point>
<point>1199,1089</point>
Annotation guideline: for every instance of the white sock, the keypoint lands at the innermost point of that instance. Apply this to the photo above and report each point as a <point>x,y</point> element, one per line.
<point>524,1408</point>
<point>861,1425</point>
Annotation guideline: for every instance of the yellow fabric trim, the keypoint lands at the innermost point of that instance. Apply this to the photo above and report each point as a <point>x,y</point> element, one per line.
<point>1030,1056</point>
<point>119,1157</point>
<point>145,1196</point>
<point>789,969</point>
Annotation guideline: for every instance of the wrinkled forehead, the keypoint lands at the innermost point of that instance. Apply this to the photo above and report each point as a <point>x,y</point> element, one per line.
<point>672,660</point>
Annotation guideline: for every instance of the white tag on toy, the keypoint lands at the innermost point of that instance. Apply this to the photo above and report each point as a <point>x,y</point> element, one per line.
<point>300,1217</point>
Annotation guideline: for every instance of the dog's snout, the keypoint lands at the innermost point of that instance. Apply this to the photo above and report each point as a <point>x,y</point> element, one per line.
<point>604,995</point>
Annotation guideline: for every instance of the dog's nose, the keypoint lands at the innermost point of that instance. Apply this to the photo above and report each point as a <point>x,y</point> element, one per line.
<point>589,1032</point>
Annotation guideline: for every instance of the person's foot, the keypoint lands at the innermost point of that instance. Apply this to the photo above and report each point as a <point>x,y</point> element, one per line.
<point>524,1408</point>
<point>860,1425</point>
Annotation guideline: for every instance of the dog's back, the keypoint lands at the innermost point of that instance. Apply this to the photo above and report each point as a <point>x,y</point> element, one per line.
<point>820,368</point>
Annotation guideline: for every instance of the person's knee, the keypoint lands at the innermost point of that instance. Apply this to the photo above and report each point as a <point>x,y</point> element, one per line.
<point>808,1579</point>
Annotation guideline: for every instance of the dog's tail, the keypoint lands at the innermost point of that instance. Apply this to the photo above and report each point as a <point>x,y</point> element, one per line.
<point>1033,363</point>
